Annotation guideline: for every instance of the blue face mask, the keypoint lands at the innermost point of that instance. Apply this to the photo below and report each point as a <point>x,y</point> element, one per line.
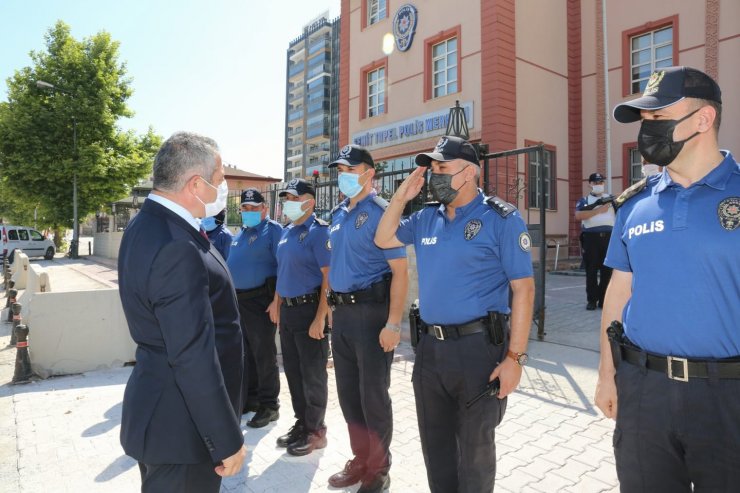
<point>349,184</point>
<point>250,219</point>
<point>208,223</point>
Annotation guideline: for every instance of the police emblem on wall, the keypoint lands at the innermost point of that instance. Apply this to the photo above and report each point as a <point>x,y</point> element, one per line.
<point>525,242</point>
<point>729,213</point>
<point>404,26</point>
<point>302,236</point>
<point>252,239</point>
<point>361,219</point>
<point>472,229</point>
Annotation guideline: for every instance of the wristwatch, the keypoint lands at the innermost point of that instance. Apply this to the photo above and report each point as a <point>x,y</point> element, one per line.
<point>520,358</point>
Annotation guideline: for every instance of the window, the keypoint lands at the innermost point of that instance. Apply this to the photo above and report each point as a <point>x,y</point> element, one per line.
<point>12,235</point>
<point>645,49</point>
<point>36,236</point>
<point>535,170</point>
<point>635,166</point>
<point>23,234</point>
<point>376,92</point>
<point>376,11</point>
<point>444,68</point>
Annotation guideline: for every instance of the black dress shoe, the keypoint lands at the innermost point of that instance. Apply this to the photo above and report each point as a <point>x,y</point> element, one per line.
<point>294,433</point>
<point>353,472</point>
<point>310,441</point>
<point>590,306</point>
<point>600,304</point>
<point>263,417</point>
<point>251,407</point>
<point>375,484</point>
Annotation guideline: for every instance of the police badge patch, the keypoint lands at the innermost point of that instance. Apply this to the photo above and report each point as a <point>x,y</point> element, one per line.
<point>525,242</point>
<point>361,219</point>
<point>728,212</point>
<point>345,151</point>
<point>302,236</point>
<point>252,239</point>
<point>472,229</point>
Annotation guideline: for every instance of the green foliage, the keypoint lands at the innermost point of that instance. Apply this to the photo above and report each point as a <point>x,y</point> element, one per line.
<point>37,158</point>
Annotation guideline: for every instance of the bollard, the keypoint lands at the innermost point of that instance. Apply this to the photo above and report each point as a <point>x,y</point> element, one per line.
<point>6,274</point>
<point>89,248</point>
<point>23,372</point>
<point>12,294</point>
<point>15,310</point>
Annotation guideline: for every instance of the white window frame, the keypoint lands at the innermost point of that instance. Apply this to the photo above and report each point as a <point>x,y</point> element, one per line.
<point>376,11</point>
<point>635,165</point>
<point>534,180</point>
<point>376,89</point>
<point>637,84</point>
<point>444,88</point>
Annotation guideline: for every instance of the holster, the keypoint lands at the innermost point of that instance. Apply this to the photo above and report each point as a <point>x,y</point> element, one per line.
<point>615,333</point>
<point>498,327</point>
<point>414,324</point>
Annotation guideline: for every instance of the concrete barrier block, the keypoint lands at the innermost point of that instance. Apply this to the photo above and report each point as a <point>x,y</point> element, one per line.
<point>20,270</point>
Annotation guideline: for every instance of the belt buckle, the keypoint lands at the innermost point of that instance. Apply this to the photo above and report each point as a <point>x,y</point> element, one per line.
<point>684,362</point>
<point>439,333</point>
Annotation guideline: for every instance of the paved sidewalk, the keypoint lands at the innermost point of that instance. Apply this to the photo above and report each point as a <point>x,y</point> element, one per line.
<point>61,434</point>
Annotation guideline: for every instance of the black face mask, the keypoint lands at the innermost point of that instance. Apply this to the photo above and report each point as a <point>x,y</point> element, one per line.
<point>441,187</point>
<point>655,140</point>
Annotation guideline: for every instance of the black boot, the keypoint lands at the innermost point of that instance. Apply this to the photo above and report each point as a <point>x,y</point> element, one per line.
<point>310,441</point>
<point>263,417</point>
<point>295,432</point>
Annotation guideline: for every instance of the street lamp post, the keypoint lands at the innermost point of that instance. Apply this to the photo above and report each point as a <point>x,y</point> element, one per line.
<point>74,246</point>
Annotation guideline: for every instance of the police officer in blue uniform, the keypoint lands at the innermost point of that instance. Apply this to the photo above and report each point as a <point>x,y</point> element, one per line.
<point>470,250</point>
<point>676,298</point>
<point>368,290</point>
<point>218,234</point>
<point>597,219</point>
<point>253,265</point>
<point>300,308</point>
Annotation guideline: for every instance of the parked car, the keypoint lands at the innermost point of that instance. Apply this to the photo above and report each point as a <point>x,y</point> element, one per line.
<point>28,240</point>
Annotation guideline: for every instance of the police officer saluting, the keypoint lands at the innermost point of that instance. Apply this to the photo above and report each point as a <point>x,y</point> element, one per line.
<point>675,290</point>
<point>300,308</point>
<point>470,249</point>
<point>253,267</point>
<point>368,303</point>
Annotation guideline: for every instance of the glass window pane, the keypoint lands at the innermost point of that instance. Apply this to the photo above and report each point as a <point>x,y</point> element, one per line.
<point>639,42</point>
<point>439,65</point>
<point>664,52</point>
<point>23,234</point>
<point>451,87</point>
<point>438,50</point>
<point>641,71</point>
<point>439,78</point>
<point>381,73</point>
<point>452,44</point>
<point>664,63</point>
<point>452,59</point>
<point>439,91</point>
<point>639,57</point>
<point>664,36</point>
<point>381,107</point>
<point>452,74</point>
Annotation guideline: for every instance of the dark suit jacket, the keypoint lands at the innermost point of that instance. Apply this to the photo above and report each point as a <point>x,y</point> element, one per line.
<point>182,401</point>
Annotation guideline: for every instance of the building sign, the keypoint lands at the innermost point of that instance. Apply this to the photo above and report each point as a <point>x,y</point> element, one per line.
<point>420,127</point>
<point>404,26</point>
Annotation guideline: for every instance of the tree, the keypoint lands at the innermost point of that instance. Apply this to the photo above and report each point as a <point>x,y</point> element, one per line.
<point>37,158</point>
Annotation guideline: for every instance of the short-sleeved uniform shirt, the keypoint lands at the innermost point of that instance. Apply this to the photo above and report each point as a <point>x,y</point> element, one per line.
<point>220,237</point>
<point>682,246</point>
<point>252,258</point>
<point>356,261</point>
<point>465,265</point>
<point>301,253</point>
<point>600,223</point>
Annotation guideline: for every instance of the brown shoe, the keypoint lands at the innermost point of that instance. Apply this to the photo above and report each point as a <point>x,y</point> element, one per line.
<point>353,472</point>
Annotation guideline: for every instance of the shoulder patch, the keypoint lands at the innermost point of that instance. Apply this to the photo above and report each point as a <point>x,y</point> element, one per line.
<point>380,202</point>
<point>629,193</point>
<point>502,207</point>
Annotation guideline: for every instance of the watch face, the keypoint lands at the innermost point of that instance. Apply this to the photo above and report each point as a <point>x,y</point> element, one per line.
<point>522,359</point>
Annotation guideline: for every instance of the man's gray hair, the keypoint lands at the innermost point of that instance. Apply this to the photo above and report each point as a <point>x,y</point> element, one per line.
<point>182,156</point>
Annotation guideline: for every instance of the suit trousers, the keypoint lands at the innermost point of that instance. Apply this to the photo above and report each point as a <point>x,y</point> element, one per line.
<point>304,361</point>
<point>363,374</point>
<point>180,478</point>
<point>457,442</point>
<point>598,275</point>
<point>259,340</point>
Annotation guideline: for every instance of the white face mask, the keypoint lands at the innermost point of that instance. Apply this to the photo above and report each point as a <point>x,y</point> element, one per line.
<point>222,194</point>
<point>597,189</point>
<point>650,169</point>
<point>294,209</point>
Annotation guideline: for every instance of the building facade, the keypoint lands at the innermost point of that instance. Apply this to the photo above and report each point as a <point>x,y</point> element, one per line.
<point>311,110</point>
<point>527,72</point>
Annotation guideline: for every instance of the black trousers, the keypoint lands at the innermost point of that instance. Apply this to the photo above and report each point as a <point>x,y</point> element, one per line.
<point>598,275</point>
<point>457,443</point>
<point>363,373</point>
<point>180,478</point>
<point>304,361</point>
<point>259,340</point>
<point>670,435</point>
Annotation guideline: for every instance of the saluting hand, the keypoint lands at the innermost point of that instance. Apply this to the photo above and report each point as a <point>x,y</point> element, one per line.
<point>509,373</point>
<point>231,465</point>
<point>412,185</point>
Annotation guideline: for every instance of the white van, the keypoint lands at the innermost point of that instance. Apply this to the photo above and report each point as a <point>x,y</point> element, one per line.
<point>28,240</point>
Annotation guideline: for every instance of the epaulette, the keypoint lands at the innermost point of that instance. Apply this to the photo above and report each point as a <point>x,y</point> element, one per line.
<point>335,209</point>
<point>322,222</point>
<point>629,193</point>
<point>501,206</point>
<point>380,202</point>
<point>432,204</point>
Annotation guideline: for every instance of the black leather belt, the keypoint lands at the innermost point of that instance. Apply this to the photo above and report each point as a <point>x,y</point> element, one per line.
<point>442,332</point>
<point>245,294</point>
<point>682,369</point>
<point>361,296</point>
<point>601,234</point>
<point>302,300</point>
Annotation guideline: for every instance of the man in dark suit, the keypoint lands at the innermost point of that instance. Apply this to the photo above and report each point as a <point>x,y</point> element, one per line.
<point>181,406</point>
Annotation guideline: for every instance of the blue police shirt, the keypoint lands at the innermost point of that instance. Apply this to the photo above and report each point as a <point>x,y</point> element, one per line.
<point>465,265</point>
<point>301,253</point>
<point>356,262</point>
<point>252,257</point>
<point>681,245</point>
<point>220,237</point>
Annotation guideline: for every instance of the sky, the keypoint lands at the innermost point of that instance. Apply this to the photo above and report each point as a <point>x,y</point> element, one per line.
<point>215,67</point>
